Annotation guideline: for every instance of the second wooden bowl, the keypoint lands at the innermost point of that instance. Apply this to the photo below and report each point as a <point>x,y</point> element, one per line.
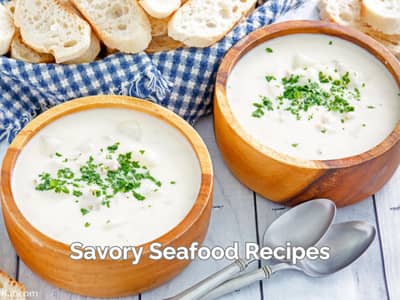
<point>104,278</point>
<point>288,180</point>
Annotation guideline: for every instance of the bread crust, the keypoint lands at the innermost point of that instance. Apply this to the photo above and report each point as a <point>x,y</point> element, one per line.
<point>21,51</point>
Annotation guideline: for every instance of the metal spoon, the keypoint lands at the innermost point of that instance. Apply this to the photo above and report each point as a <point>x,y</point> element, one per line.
<point>347,242</point>
<point>303,225</point>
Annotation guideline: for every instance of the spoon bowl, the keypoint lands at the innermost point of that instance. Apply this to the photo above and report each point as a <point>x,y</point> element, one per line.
<point>347,242</point>
<point>301,226</point>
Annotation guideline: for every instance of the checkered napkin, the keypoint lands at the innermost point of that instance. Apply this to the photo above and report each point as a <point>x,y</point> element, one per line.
<point>181,80</point>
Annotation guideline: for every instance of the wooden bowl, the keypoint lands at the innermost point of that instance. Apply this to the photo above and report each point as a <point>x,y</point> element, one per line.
<point>288,180</point>
<point>104,278</point>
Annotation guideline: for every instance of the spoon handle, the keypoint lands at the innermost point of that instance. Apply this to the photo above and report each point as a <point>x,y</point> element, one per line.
<point>203,287</point>
<point>239,282</point>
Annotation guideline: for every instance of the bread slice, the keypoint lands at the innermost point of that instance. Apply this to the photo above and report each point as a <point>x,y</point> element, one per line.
<point>7,30</point>
<point>91,54</point>
<point>347,13</point>
<point>21,51</point>
<point>50,27</point>
<point>11,289</point>
<point>160,9</point>
<point>120,24</point>
<point>201,23</point>
<point>383,15</point>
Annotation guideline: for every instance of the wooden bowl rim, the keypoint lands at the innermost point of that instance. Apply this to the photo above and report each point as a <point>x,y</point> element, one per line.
<point>97,102</point>
<point>269,32</point>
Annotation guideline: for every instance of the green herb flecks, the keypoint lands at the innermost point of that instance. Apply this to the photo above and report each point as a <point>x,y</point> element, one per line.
<point>269,78</point>
<point>265,104</point>
<point>113,148</point>
<point>84,211</point>
<point>269,50</point>
<point>300,94</point>
<point>101,182</point>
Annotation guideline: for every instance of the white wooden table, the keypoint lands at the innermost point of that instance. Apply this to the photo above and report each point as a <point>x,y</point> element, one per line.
<point>241,215</point>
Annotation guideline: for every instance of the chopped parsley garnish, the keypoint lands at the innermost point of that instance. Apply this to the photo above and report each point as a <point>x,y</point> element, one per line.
<point>138,196</point>
<point>84,211</point>
<point>300,94</point>
<point>77,193</point>
<point>324,130</point>
<point>87,224</point>
<point>269,50</point>
<point>295,145</point>
<point>104,183</point>
<point>265,104</point>
<point>58,154</point>
<point>330,42</point>
<point>370,106</point>
<point>113,148</point>
<point>173,182</point>
<point>270,78</point>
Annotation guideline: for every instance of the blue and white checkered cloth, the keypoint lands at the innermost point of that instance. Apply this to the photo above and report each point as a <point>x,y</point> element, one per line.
<point>181,80</point>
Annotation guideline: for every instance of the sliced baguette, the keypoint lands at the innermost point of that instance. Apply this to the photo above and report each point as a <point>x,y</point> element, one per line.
<point>7,30</point>
<point>21,51</point>
<point>120,24</point>
<point>383,15</point>
<point>91,54</point>
<point>95,46</point>
<point>11,289</point>
<point>201,23</point>
<point>347,13</point>
<point>160,9</point>
<point>50,27</point>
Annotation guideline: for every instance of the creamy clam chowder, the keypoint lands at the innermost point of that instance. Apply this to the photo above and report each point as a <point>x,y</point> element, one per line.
<point>314,97</point>
<point>106,177</point>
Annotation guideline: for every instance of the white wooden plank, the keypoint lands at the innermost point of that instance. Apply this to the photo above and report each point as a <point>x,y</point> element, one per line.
<point>8,258</point>
<point>388,214</point>
<point>232,220</point>
<point>46,291</point>
<point>362,280</point>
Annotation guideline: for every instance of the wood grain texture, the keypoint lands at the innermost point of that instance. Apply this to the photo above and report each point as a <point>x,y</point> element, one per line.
<point>45,291</point>
<point>50,259</point>
<point>387,203</point>
<point>362,280</point>
<point>288,180</point>
<point>8,257</point>
<point>232,220</point>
